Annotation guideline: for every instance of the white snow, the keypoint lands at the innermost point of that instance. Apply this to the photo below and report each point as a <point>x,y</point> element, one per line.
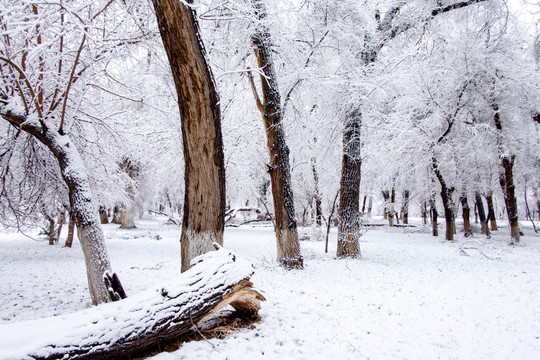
<point>411,296</point>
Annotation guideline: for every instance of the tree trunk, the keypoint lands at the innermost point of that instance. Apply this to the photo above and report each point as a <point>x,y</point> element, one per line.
<point>128,215</point>
<point>446,196</point>
<point>88,227</point>
<point>125,328</point>
<point>71,230</point>
<point>466,215</point>
<point>204,203</point>
<point>288,245</point>
<point>348,244</point>
<point>433,213</point>
<point>482,214</point>
<point>370,205</point>
<point>491,211</point>
<point>364,205</point>
<point>317,196</point>
<point>118,213</point>
<point>391,209</point>
<point>405,206</point>
<point>386,198</point>
<point>506,179</point>
<point>103,218</point>
<point>423,211</point>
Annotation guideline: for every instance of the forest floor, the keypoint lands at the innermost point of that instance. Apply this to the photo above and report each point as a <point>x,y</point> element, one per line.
<point>411,296</point>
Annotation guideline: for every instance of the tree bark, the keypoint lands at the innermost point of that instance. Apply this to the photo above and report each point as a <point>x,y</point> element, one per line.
<point>446,196</point>
<point>285,227</point>
<point>482,214</point>
<point>433,213</point>
<point>491,211</point>
<point>386,198</point>
<point>405,206</point>
<point>466,215</point>
<point>71,230</point>
<point>74,174</point>
<point>103,215</point>
<point>317,195</point>
<point>348,244</point>
<point>122,329</point>
<point>204,202</point>
<point>506,179</point>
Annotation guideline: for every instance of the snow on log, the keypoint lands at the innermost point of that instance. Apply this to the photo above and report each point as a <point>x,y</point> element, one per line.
<point>119,329</point>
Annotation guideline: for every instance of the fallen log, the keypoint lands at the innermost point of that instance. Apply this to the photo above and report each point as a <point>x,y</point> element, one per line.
<point>120,329</point>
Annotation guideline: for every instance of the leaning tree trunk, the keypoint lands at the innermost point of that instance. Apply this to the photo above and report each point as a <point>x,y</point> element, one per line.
<point>74,174</point>
<point>204,202</point>
<point>506,179</point>
<point>446,196</point>
<point>482,214</point>
<point>349,193</point>
<point>288,245</point>
<point>491,211</point>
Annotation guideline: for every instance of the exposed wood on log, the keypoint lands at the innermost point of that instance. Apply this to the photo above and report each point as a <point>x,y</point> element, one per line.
<point>121,329</point>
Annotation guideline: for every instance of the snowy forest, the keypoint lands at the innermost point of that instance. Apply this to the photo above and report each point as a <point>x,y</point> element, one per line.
<point>245,179</point>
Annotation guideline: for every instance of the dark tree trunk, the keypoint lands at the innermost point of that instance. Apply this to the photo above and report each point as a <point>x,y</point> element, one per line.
<point>466,215</point>
<point>482,214</point>
<point>391,208</point>
<point>405,206</point>
<point>103,218</point>
<point>446,196</point>
<point>364,204</point>
<point>317,196</point>
<point>423,211</point>
<point>434,215</point>
<point>349,193</point>
<point>370,205</point>
<point>506,179</point>
<point>204,203</point>
<point>71,230</point>
<point>118,213</point>
<point>491,211</point>
<point>288,245</point>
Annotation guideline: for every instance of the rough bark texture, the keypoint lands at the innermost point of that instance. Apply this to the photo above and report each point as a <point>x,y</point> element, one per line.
<point>288,245</point>
<point>506,179</point>
<point>204,203</point>
<point>434,215</point>
<point>121,329</point>
<point>348,244</point>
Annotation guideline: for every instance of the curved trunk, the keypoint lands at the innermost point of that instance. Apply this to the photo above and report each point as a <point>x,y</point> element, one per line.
<point>349,193</point>
<point>482,215</point>
<point>446,196</point>
<point>491,212</point>
<point>288,245</point>
<point>204,202</point>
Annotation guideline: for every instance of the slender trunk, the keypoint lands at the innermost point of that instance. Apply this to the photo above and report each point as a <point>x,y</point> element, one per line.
<point>482,214</point>
<point>200,115</point>
<point>405,206</point>
<point>475,214</point>
<point>423,211</point>
<point>71,230</point>
<point>506,179</point>
<point>317,196</point>
<point>52,234</point>
<point>386,198</point>
<point>288,245</point>
<point>491,211</point>
<point>370,205</point>
<point>349,217</point>
<point>364,204</point>
<point>433,212</point>
<point>60,224</point>
<point>391,210</point>
<point>466,215</point>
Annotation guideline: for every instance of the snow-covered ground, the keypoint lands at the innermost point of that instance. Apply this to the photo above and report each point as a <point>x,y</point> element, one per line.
<point>411,296</point>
